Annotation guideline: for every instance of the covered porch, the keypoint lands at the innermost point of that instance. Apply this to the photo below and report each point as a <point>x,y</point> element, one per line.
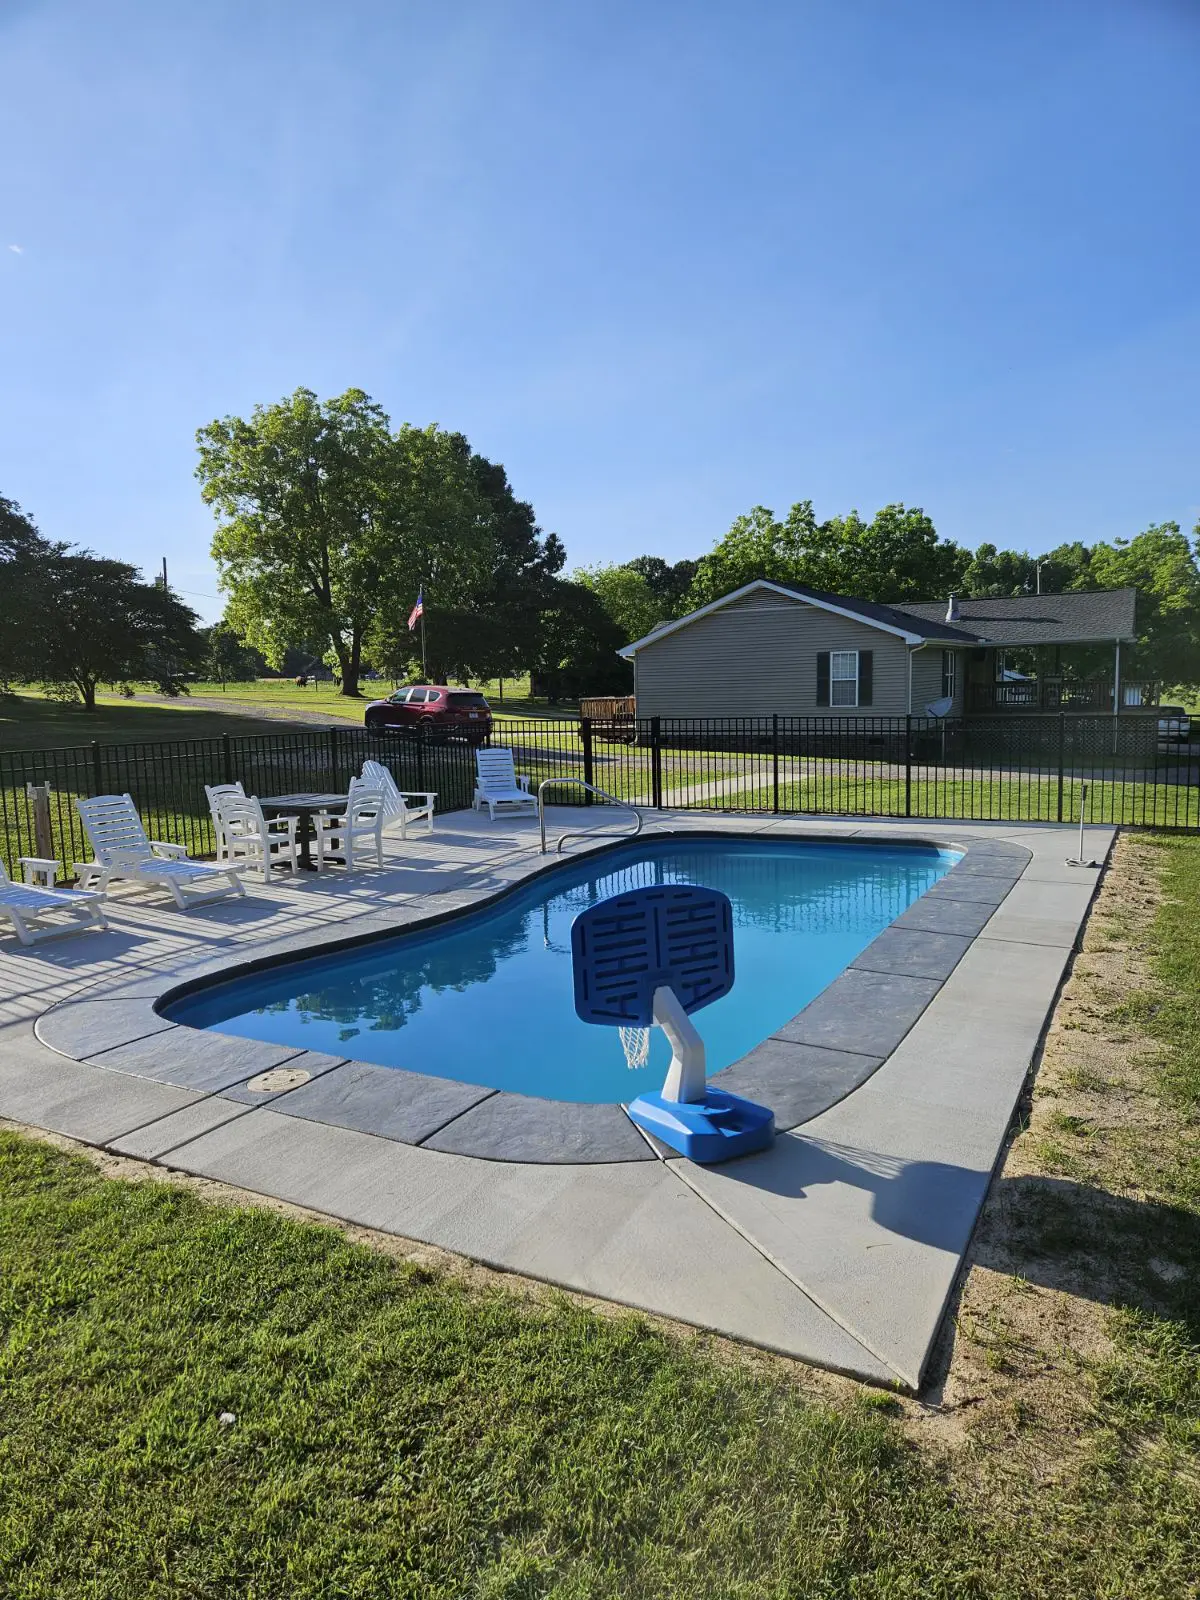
<point>1047,679</point>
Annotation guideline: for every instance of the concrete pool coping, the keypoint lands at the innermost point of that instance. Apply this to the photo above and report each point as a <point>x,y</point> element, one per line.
<point>830,1047</point>
<point>840,1246</point>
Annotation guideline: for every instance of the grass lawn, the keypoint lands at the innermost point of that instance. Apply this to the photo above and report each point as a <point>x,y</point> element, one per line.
<point>31,721</point>
<point>400,1429</point>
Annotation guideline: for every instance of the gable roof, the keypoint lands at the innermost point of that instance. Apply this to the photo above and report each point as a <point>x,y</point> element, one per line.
<point>1098,617</point>
<point>912,629</point>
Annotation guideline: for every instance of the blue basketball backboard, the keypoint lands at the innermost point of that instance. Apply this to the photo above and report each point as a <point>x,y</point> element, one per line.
<point>624,948</point>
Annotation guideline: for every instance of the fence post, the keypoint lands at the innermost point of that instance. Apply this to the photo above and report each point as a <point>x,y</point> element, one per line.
<point>589,775</point>
<point>420,744</point>
<point>1062,746</point>
<point>43,837</point>
<point>908,765</point>
<point>775,762</point>
<point>96,784</point>
<point>333,759</point>
<point>226,759</point>
<point>656,763</point>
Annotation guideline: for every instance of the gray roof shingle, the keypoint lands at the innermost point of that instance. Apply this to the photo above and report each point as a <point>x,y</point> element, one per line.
<point>1098,617</point>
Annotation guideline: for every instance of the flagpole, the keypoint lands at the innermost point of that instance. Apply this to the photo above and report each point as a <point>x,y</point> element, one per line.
<point>424,670</point>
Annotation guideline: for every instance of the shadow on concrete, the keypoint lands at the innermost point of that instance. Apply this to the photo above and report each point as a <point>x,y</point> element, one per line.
<point>933,1202</point>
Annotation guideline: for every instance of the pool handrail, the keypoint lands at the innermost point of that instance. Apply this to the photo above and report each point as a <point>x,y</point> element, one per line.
<point>580,783</point>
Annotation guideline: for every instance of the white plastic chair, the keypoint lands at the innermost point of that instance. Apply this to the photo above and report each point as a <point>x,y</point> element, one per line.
<point>122,850</point>
<point>31,908</point>
<point>401,806</point>
<point>497,785</point>
<point>215,793</point>
<point>359,830</point>
<point>253,839</point>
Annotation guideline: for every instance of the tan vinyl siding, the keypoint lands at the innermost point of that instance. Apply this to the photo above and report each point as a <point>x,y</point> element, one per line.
<point>758,656</point>
<point>927,679</point>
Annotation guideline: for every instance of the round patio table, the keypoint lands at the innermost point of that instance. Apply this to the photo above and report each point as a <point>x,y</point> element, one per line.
<point>307,807</point>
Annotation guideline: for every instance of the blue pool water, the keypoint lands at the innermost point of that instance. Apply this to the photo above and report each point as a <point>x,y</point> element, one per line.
<point>487,998</point>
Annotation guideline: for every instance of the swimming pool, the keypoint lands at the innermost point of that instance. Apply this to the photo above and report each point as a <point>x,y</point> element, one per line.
<point>486,998</point>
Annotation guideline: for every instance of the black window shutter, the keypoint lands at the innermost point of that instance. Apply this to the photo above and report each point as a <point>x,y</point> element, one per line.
<point>866,676</point>
<point>822,677</point>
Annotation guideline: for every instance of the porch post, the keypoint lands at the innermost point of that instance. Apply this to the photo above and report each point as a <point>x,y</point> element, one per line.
<point>1116,690</point>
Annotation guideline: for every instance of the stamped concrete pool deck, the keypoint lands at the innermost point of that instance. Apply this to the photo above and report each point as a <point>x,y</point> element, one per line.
<point>839,1246</point>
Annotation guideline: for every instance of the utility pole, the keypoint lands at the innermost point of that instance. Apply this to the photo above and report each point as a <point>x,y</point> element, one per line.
<point>164,577</point>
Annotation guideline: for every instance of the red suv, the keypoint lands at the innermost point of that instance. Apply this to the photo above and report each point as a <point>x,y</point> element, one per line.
<point>433,711</point>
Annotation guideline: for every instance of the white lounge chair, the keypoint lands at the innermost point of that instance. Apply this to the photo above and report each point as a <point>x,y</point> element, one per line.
<point>215,793</point>
<point>122,850</point>
<point>254,840</point>
<point>497,785</point>
<point>359,830</point>
<point>401,806</point>
<point>30,908</point>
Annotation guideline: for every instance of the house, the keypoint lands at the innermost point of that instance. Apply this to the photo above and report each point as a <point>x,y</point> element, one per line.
<point>772,648</point>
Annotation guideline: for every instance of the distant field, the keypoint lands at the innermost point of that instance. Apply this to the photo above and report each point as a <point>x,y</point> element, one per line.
<point>33,721</point>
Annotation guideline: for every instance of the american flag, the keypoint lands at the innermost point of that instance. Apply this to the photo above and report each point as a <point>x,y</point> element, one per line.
<point>417,611</point>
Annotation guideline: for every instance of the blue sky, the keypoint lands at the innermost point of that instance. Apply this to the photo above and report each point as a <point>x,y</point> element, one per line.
<point>663,260</point>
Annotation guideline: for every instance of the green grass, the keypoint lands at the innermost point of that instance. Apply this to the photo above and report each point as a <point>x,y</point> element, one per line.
<point>397,1433</point>
<point>31,721</point>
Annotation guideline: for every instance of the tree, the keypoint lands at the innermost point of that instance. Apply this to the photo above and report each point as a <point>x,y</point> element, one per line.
<point>1161,564</point>
<point>577,648</point>
<point>485,625</point>
<point>329,522</point>
<point>756,546</point>
<point>107,624</point>
<point>227,659</point>
<point>897,556</point>
<point>626,596</point>
<point>24,559</point>
<point>669,583</point>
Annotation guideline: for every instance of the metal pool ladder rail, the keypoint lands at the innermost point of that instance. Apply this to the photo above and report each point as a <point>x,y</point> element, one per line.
<point>550,783</point>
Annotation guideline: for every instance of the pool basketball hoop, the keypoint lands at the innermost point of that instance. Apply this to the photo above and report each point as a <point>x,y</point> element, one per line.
<point>650,958</point>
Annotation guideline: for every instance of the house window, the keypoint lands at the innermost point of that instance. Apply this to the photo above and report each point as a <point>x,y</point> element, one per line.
<point>843,677</point>
<point>949,673</point>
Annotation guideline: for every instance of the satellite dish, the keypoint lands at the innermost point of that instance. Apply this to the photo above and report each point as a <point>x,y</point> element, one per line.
<point>940,708</point>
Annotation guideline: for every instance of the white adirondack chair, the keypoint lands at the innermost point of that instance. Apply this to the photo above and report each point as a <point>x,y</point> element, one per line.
<point>400,806</point>
<point>215,793</point>
<point>359,830</point>
<point>255,840</point>
<point>31,908</point>
<point>497,785</point>
<point>122,850</point>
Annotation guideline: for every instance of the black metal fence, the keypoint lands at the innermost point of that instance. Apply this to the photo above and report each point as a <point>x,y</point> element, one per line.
<point>1002,768</point>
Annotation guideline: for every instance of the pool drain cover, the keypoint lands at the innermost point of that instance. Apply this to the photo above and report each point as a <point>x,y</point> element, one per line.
<point>279,1078</point>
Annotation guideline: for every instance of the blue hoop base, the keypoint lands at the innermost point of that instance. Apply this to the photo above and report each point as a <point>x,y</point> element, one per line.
<point>716,1128</point>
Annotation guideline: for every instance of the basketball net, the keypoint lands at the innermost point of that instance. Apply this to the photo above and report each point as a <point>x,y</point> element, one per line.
<point>636,1044</point>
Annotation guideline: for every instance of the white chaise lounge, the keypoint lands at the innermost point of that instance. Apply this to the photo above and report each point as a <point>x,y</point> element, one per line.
<point>400,806</point>
<point>122,850</point>
<point>34,911</point>
<point>497,785</point>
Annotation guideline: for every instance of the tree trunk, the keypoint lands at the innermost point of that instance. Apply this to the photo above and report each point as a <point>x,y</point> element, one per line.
<point>87,688</point>
<point>350,662</point>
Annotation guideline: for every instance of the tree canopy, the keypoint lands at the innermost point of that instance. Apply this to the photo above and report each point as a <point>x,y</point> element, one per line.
<point>330,523</point>
<point>897,556</point>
